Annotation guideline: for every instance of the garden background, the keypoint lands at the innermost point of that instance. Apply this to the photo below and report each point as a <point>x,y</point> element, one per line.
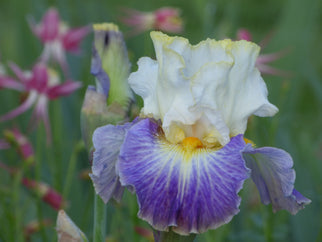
<point>294,25</point>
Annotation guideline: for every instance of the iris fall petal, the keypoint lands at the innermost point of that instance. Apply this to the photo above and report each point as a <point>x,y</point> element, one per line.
<point>271,171</point>
<point>107,141</point>
<point>192,192</point>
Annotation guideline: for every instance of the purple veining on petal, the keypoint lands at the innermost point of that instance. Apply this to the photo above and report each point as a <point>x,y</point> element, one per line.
<point>271,171</point>
<point>107,141</point>
<point>192,194</point>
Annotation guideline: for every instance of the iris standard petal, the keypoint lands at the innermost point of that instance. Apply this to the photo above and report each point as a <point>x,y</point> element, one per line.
<point>213,85</point>
<point>190,190</point>
<point>271,171</point>
<point>147,86</point>
<point>107,141</point>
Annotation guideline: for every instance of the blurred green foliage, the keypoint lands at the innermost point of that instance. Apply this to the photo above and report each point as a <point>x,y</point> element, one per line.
<point>295,24</point>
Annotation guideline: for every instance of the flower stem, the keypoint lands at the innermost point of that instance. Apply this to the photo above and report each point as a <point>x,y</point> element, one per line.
<point>161,236</point>
<point>38,165</point>
<point>269,226</point>
<point>16,207</point>
<point>99,219</point>
<point>71,168</point>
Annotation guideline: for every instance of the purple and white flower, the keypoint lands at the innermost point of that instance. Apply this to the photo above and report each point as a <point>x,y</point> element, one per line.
<point>186,157</point>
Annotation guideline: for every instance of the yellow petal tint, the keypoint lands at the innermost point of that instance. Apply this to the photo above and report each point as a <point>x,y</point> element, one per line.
<point>248,141</point>
<point>191,143</point>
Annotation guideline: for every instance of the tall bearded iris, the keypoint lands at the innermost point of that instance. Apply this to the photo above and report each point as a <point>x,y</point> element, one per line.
<point>185,156</point>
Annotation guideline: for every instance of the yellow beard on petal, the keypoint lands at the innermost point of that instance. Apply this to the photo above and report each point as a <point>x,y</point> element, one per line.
<point>191,143</point>
<point>187,148</point>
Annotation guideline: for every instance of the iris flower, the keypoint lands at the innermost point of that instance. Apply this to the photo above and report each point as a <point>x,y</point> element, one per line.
<point>57,37</point>
<point>41,85</point>
<point>186,156</point>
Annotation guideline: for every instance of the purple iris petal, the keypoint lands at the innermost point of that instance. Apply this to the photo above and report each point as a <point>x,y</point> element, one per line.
<point>271,170</point>
<point>103,84</point>
<point>191,191</point>
<point>107,141</point>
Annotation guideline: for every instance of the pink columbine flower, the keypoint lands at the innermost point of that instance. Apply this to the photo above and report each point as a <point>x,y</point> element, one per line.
<point>57,37</point>
<point>165,19</point>
<point>263,60</point>
<point>41,85</point>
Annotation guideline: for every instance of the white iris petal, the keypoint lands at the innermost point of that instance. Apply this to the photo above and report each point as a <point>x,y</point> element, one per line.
<point>207,91</point>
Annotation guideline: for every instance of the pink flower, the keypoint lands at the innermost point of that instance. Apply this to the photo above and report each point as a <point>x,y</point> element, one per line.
<point>264,60</point>
<point>41,85</point>
<point>57,37</point>
<point>4,145</point>
<point>47,193</point>
<point>144,232</point>
<point>15,138</point>
<point>43,190</point>
<point>164,19</point>
<point>35,226</point>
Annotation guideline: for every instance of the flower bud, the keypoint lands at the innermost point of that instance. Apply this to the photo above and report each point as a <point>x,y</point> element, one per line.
<point>21,143</point>
<point>67,230</point>
<point>108,102</point>
<point>47,194</point>
<point>110,56</point>
<point>34,227</point>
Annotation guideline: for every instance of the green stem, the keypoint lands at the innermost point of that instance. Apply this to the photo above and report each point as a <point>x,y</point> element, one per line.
<point>99,220</point>
<point>71,167</point>
<point>38,165</point>
<point>269,225</point>
<point>17,209</point>
<point>56,149</point>
<point>161,236</point>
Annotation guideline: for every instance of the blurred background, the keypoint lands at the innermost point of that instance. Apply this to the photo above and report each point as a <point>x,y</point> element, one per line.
<point>292,26</point>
